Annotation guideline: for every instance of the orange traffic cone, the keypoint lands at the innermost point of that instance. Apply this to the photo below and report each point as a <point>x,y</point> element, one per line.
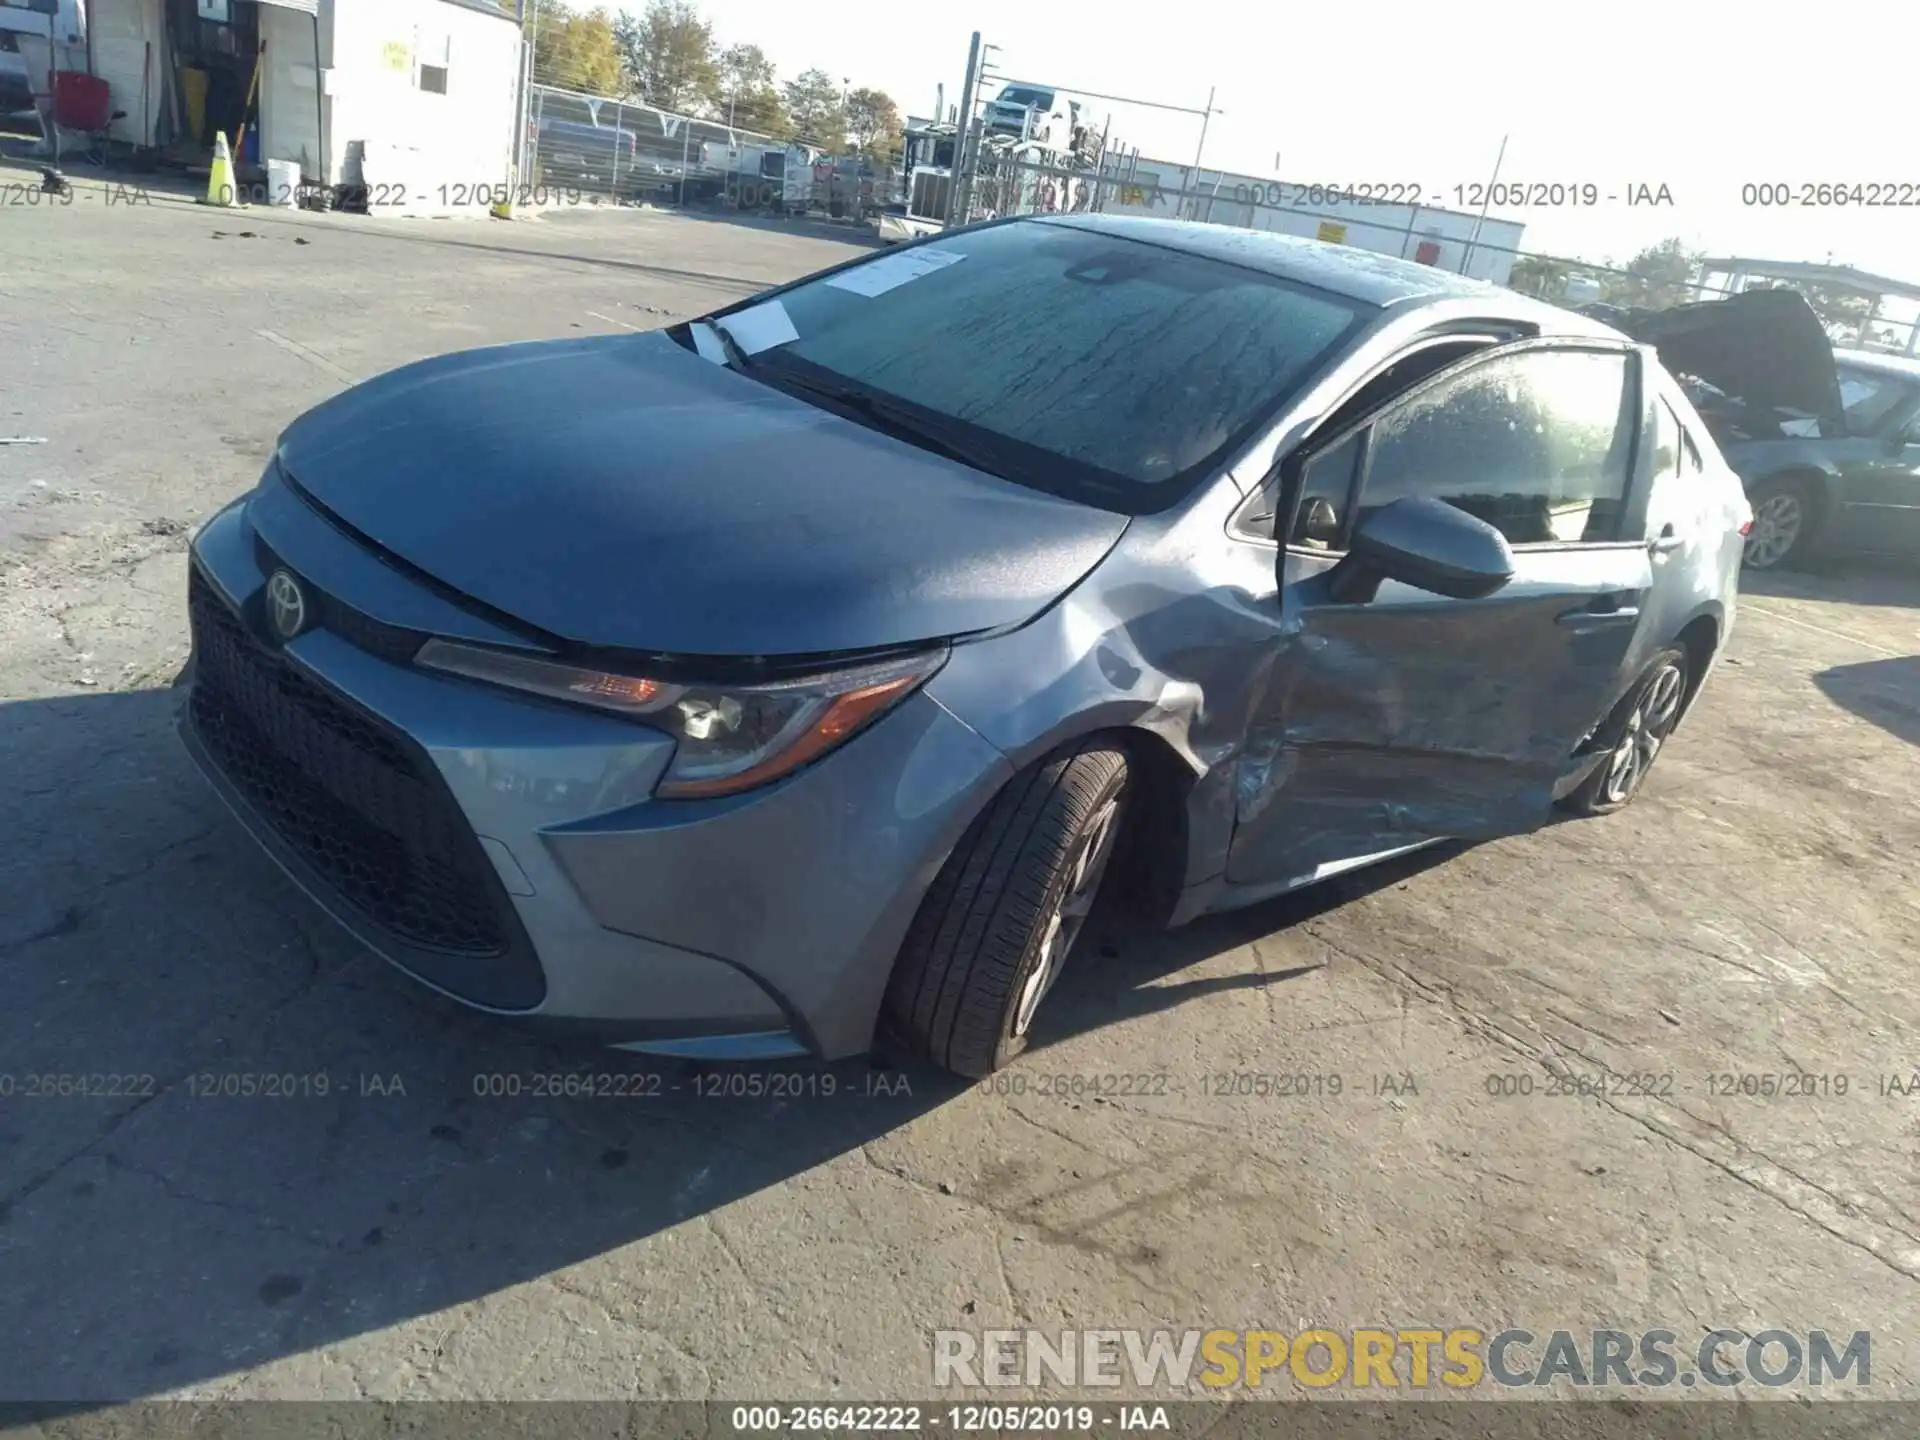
<point>221,188</point>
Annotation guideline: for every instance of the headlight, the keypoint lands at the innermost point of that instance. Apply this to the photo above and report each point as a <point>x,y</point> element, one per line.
<point>731,738</point>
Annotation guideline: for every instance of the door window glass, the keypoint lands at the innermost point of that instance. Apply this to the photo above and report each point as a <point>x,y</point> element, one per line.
<point>1536,444</point>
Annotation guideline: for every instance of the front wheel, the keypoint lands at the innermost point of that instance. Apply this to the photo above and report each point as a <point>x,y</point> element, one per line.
<point>1635,734</point>
<point>1001,918</point>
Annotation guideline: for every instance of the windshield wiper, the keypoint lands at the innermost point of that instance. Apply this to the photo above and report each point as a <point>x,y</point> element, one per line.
<point>897,420</point>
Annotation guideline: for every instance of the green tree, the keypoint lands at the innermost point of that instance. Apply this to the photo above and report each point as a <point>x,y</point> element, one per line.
<point>1659,276</point>
<point>748,95</point>
<point>573,51</point>
<point>815,107</point>
<point>669,56</point>
<point>1843,311</point>
<point>873,124</point>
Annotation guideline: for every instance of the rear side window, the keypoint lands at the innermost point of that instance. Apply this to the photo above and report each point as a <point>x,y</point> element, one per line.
<point>1536,444</point>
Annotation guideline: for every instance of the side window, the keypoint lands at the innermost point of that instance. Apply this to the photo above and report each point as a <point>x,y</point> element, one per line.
<point>1329,476</point>
<point>1536,444</point>
<point>1326,496</point>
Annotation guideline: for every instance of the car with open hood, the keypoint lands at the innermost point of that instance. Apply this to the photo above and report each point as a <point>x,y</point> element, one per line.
<point>805,676</point>
<point>1827,441</point>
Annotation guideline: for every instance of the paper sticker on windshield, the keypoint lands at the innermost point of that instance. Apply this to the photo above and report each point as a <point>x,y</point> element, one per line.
<point>707,344</point>
<point>889,272</point>
<point>760,327</point>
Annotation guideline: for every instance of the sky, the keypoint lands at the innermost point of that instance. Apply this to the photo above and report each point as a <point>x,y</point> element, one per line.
<point>1699,96</point>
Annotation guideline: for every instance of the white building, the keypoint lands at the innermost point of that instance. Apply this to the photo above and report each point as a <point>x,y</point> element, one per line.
<point>417,99</point>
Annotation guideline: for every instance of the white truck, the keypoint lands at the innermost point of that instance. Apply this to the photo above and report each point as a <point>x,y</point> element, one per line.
<point>927,178</point>
<point>1044,116</point>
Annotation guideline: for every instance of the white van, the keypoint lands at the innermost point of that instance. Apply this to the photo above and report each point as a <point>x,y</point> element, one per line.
<point>26,63</point>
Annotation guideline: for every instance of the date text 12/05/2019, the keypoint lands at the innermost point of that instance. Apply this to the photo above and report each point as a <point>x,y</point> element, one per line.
<point>1475,195</point>
<point>392,195</point>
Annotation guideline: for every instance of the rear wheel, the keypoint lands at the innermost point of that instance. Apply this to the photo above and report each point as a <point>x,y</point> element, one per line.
<point>1002,917</point>
<point>1782,522</point>
<point>1635,734</point>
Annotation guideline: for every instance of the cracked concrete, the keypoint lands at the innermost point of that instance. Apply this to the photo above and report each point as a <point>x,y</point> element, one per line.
<point>380,1227</point>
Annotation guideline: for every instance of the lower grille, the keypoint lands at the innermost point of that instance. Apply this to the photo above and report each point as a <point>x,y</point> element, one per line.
<point>342,790</point>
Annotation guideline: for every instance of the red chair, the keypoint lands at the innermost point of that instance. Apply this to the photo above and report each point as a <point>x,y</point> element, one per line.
<point>81,103</point>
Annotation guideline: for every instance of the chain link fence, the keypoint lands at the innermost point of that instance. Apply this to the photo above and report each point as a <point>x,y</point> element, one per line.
<point>632,154</point>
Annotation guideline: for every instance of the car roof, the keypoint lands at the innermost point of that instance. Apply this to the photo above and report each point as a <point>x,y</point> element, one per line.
<point>1906,367</point>
<point>1363,275</point>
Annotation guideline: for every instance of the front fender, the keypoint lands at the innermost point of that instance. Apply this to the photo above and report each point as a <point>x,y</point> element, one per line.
<point>1184,668</point>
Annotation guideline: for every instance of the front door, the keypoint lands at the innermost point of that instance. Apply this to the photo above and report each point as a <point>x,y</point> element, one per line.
<point>1879,493</point>
<point>1411,717</point>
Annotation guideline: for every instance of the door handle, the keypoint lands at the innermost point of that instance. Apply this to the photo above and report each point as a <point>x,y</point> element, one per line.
<point>1602,612</point>
<point>1667,543</point>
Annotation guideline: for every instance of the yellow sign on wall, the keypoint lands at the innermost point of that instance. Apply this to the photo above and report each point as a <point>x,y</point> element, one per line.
<point>1332,231</point>
<point>397,54</point>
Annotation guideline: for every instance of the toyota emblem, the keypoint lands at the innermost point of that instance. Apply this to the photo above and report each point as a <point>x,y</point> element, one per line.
<point>286,605</point>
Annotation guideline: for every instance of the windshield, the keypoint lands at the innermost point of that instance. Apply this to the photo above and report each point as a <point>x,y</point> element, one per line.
<point>1106,370</point>
<point>1021,95</point>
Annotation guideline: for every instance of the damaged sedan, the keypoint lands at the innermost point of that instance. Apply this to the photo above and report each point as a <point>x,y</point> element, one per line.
<point>799,679</point>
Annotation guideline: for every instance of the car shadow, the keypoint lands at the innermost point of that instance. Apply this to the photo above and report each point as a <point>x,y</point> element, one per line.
<point>1122,976</point>
<point>230,1135</point>
<point>1887,692</point>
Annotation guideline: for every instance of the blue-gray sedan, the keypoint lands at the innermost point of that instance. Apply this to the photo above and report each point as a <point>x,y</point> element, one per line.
<point>804,674</point>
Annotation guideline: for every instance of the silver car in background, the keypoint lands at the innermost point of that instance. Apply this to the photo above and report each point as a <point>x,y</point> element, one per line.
<point>803,675</point>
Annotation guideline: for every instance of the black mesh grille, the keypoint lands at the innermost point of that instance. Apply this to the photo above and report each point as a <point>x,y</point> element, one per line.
<point>341,789</point>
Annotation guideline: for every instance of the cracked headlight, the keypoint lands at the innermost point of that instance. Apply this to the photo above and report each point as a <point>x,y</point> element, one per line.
<point>729,738</point>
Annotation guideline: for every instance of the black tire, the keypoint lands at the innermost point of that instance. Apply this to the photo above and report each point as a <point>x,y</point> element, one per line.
<point>956,994</point>
<point>1780,500</point>
<point>1639,715</point>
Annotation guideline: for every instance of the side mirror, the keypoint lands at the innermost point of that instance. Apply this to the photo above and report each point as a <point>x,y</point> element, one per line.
<point>1427,544</point>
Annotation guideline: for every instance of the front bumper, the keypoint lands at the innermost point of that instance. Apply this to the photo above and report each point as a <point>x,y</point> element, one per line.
<point>507,852</point>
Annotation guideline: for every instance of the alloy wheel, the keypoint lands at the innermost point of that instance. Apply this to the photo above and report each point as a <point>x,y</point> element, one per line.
<point>1777,522</point>
<point>1646,730</point>
<point>1084,874</point>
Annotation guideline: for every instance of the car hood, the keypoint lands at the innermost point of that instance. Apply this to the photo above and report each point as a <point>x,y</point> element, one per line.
<point>1767,348</point>
<point>622,492</point>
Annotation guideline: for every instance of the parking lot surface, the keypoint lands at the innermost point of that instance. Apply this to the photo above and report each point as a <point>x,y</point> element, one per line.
<point>1338,1110</point>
